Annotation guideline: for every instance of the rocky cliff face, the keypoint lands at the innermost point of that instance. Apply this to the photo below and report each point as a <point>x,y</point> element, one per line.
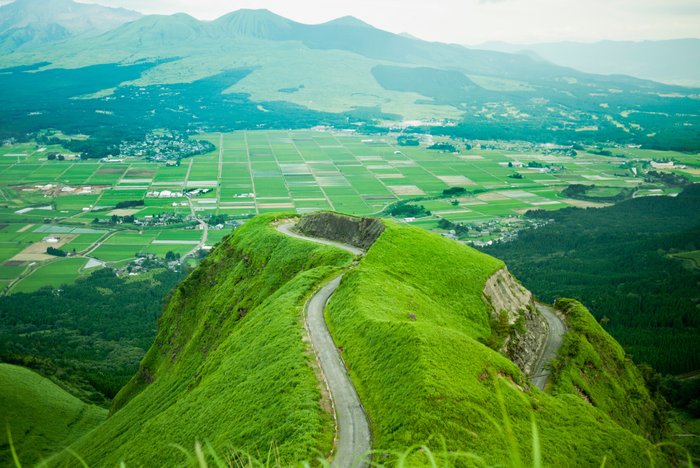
<point>505,293</point>
<point>359,232</point>
<point>524,348</point>
<point>529,328</point>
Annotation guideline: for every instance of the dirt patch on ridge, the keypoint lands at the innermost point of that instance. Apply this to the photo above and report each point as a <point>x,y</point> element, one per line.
<point>358,232</point>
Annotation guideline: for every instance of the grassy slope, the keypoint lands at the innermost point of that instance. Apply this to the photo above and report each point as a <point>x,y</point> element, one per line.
<point>592,363</point>
<point>216,376</point>
<point>431,378</point>
<point>41,416</point>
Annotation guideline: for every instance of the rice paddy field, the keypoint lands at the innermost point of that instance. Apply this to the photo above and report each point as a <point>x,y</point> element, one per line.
<point>253,172</point>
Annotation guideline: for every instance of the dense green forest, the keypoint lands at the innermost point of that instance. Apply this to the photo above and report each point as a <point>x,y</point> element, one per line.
<point>626,263</point>
<point>88,337</point>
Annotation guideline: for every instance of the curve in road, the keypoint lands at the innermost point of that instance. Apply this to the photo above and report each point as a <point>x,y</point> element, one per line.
<point>556,330</point>
<point>286,228</point>
<point>353,438</point>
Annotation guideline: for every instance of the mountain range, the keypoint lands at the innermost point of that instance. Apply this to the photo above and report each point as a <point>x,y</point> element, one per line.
<point>438,355</point>
<point>27,23</point>
<point>344,70</point>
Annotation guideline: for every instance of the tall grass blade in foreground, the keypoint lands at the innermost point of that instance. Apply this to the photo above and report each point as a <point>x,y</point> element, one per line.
<point>15,458</point>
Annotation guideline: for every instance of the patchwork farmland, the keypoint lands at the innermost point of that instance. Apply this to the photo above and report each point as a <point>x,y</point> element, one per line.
<point>273,171</point>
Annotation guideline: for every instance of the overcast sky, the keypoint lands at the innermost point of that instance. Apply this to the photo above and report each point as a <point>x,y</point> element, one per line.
<point>472,21</point>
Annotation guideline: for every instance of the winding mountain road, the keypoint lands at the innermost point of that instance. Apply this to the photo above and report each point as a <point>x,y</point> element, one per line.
<point>556,330</point>
<point>353,438</point>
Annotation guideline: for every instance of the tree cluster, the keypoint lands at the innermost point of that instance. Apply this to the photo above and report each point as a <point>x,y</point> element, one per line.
<point>90,335</point>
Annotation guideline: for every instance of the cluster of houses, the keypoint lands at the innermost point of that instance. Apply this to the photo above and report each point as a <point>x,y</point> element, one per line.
<point>164,194</point>
<point>163,219</point>
<point>168,147</point>
<point>145,262</point>
<point>172,194</point>
<point>484,234</point>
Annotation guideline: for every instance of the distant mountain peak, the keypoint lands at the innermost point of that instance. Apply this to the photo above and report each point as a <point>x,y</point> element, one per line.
<point>181,17</point>
<point>255,12</point>
<point>674,61</point>
<point>260,24</point>
<point>261,15</point>
<point>349,21</point>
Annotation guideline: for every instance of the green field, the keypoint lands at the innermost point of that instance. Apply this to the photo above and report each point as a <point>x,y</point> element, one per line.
<point>42,417</point>
<point>253,172</point>
<point>307,170</point>
<point>53,274</point>
<point>690,259</point>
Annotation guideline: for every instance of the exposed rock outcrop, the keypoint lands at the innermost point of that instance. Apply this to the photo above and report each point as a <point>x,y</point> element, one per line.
<point>505,293</point>
<point>359,232</point>
<point>525,348</point>
<point>529,328</point>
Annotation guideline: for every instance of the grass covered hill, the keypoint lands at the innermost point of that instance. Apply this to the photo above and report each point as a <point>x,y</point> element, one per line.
<point>632,264</point>
<point>41,417</point>
<point>411,319</point>
<point>594,366</point>
<point>230,365</point>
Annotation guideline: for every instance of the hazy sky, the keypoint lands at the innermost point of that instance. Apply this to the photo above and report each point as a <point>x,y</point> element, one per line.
<point>472,21</point>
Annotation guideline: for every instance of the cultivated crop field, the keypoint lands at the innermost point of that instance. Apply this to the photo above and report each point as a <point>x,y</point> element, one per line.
<point>253,172</point>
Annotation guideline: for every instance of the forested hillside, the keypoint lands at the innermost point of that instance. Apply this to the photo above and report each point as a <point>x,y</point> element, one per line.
<point>89,337</point>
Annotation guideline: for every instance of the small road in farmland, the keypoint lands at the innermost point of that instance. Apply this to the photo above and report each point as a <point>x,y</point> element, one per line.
<point>205,231</point>
<point>352,434</point>
<point>555,332</point>
<point>86,253</point>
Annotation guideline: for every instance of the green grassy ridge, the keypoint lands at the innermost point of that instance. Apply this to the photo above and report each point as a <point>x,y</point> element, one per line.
<point>592,363</point>
<point>243,382</point>
<point>242,379</point>
<point>41,416</point>
<point>432,381</point>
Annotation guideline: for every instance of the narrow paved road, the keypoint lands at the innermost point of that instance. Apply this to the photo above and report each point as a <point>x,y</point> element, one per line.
<point>556,330</point>
<point>353,439</point>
